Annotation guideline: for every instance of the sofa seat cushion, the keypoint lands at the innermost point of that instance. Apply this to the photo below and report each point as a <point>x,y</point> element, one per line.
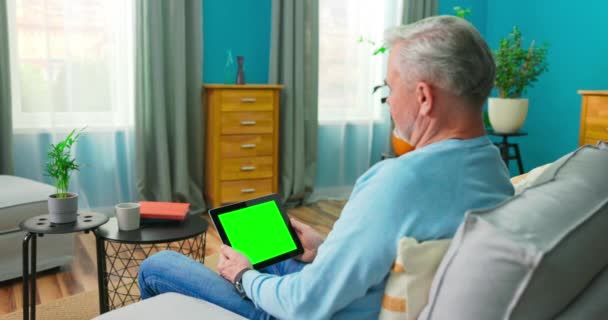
<point>533,254</point>
<point>170,306</point>
<point>20,199</point>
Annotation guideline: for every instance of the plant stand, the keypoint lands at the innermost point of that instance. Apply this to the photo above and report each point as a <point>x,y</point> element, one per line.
<point>38,226</point>
<point>504,146</point>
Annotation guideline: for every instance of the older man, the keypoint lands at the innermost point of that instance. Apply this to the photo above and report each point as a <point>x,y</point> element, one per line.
<point>440,72</point>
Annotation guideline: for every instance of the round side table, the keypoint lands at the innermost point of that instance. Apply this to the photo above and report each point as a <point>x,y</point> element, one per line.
<point>120,254</point>
<point>38,226</point>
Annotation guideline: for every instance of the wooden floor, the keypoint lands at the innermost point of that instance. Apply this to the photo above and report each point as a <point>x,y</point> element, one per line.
<point>81,274</point>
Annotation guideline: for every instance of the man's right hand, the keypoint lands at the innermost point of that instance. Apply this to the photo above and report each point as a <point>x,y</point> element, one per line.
<point>310,239</point>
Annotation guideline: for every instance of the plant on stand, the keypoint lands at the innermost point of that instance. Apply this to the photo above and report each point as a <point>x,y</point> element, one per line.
<point>517,68</point>
<point>63,206</point>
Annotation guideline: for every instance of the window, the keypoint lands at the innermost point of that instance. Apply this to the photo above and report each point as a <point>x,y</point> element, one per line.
<point>348,70</point>
<point>71,62</point>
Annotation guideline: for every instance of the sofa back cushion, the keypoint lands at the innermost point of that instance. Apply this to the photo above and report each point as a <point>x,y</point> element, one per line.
<point>534,253</point>
<point>591,304</point>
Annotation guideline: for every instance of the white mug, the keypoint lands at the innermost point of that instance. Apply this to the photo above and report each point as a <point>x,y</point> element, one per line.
<point>127,215</point>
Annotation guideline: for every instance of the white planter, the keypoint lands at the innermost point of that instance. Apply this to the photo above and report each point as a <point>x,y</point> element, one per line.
<point>63,210</point>
<point>507,115</point>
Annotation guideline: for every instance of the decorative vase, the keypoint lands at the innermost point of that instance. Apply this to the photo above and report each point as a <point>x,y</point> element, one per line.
<point>399,145</point>
<point>507,115</point>
<point>240,75</point>
<point>63,210</point>
<point>229,68</point>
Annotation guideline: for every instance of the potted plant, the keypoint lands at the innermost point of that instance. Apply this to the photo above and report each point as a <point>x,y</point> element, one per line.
<point>517,69</point>
<point>63,206</point>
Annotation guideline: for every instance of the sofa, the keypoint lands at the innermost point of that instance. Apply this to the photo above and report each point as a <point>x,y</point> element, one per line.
<point>20,199</point>
<point>541,254</point>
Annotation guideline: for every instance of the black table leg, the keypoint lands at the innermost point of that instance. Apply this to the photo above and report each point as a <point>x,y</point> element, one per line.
<point>101,282</point>
<point>518,157</point>
<point>25,275</point>
<point>33,278</point>
<point>29,276</point>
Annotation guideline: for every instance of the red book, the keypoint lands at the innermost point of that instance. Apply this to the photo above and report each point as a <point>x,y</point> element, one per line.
<point>163,210</point>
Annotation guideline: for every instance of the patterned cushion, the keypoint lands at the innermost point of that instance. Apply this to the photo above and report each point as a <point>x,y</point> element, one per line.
<point>408,285</point>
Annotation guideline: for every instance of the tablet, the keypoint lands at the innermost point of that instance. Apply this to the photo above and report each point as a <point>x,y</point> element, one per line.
<point>258,228</point>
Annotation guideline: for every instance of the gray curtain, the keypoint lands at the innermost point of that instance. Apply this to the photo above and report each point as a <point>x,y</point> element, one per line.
<point>168,117</point>
<point>414,10</point>
<point>6,121</point>
<point>294,63</point>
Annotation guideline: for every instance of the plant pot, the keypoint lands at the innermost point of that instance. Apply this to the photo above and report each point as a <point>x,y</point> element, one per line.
<point>507,115</point>
<point>63,210</point>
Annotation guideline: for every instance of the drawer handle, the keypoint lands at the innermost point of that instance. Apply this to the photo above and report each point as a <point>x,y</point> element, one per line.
<point>248,123</point>
<point>248,190</point>
<point>248,146</point>
<point>248,100</point>
<point>247,168</point>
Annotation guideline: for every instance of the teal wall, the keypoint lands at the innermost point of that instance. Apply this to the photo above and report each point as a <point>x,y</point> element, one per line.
<point>242,26</point>
<point>578,59</point>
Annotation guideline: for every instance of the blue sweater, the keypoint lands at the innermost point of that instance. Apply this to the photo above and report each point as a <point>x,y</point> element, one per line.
<point>423,194</point>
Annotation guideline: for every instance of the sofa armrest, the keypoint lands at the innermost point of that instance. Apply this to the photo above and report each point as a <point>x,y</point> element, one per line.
<point>170,306</point>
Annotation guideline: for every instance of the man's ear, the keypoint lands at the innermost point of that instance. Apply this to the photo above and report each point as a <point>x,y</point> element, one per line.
<point>424,97</point>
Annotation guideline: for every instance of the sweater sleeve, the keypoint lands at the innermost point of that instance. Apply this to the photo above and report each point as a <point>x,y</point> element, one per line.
<point>356,256</point>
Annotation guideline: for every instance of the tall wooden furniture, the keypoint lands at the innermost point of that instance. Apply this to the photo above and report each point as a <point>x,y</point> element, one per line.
<point>594,117</point>
<point>242,144</point>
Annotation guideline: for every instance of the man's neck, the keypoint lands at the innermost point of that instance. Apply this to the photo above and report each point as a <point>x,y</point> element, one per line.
<point>456,129</point>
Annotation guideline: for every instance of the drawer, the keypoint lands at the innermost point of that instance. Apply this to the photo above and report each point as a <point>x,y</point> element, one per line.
<point>596,127</point>
<point>592,141</point>
<point>247,122</point>
<point>241,190</point>
<point>247,100</point>
<point>245,146</point>
<point>246,168</point>
<point>597,107</point>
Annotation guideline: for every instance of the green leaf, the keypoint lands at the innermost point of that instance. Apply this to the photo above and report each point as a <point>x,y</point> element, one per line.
<point>60,163</point>
<point>517,68</point>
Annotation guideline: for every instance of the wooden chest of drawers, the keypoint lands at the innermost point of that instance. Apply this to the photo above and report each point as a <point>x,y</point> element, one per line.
<point>594,117</point>
<point>242,144</point>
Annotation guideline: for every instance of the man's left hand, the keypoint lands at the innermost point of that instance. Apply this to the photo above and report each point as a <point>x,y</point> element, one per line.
<point>231,262</point>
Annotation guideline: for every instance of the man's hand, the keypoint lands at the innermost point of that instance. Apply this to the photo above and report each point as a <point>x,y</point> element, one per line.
<point>310,239</point>
<point>231,262</point>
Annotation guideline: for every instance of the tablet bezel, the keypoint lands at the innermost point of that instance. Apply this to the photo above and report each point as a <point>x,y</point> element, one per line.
<point>215,212</point>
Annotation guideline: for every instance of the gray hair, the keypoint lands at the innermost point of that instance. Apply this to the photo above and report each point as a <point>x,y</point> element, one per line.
<point>448,52</point>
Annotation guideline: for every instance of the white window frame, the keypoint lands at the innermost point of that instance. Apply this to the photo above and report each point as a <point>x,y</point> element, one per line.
<point>114,118</point>
<point>377,67</point>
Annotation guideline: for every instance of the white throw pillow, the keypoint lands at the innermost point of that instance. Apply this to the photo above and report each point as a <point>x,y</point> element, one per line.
<point>409,282</point>
<point>529,179</point>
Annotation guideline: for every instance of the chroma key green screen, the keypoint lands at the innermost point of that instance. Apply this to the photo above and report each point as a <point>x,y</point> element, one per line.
<point>259,231</point>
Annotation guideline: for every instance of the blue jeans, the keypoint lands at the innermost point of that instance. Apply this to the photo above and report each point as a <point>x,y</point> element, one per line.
<point>169,271</point>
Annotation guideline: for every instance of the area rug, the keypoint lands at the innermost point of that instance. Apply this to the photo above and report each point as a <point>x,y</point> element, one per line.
<point>82,306</point>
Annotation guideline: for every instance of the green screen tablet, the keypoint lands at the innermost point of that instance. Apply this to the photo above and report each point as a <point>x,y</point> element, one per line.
<point>259,229</point>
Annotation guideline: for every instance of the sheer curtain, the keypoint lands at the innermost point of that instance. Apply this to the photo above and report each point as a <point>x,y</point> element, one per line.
<point>72,67</point>
<point>354,125</point>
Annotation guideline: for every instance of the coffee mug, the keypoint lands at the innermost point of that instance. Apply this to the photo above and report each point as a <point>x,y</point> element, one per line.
<point>127,215</point>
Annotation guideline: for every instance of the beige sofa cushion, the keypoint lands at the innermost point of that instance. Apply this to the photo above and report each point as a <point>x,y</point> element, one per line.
<point>20,199</point>
<point>409,281</point>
